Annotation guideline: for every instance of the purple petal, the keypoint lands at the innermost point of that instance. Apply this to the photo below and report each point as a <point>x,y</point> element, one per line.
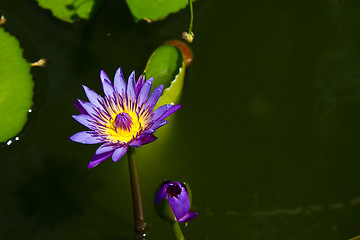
<point>160,111</point>
<point>93,140</point>
<point>79,107</point>
<point>106,84</point>
<point>136,143</point>
<point>118,153</point>
<point>140,82</point>
<point>180,204</point>
<point>119,82</point>
<point>85,120</point>
<point>89,108</point>
<point>86,137</point>
<point>189,216</point>
<point>104,76</point>
<point>154,97</point>
<point>130,91</point>
<point>93,97</point>
<point>98,158</point>
<point>160,193</point>
<point>106,147</point>
<point>147,138</point>
<point>169,112</point>
<point>156,125</point>
<point>144,92</point>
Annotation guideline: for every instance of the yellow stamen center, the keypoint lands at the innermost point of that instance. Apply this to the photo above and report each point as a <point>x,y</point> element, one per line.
<point>123,127</point>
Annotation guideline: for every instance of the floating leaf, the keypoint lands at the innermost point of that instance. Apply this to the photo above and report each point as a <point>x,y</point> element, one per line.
<point>167,66</point>
<point>154,10</point>
<point>184,48</point>
<point>71,10</point>
<point>16,87</point>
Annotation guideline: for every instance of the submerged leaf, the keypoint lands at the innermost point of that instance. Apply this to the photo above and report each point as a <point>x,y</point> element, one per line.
<point>167,66</point>
<point>71,10</point>
<point>151,10</point>
<point>16,87</point>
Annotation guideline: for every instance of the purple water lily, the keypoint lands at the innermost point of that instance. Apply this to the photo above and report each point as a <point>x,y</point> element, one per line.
<point>124,117</point>
<point>172,202</point>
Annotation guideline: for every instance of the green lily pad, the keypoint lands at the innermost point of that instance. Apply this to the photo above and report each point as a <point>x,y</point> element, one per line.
<point>71,10</point>
<point>154,10</point>
<point>16,87</point>
<point>167,66</point>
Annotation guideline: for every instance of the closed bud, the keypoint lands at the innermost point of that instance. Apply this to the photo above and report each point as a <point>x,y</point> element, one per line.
<point>188,37</point>
<point>172,202</point>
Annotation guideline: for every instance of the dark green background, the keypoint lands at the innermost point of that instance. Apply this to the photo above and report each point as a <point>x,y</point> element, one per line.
<point>267,137</point>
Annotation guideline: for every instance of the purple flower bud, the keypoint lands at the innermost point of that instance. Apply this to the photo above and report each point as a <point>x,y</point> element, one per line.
<point>173,200</point>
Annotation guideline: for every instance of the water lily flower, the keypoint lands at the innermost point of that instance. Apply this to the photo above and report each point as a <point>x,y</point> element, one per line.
<point>124,118</point>
<point>173,200</point>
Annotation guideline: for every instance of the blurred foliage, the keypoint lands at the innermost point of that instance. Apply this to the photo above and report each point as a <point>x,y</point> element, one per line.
<point>71,10</point>
<point>16,87</point>
<point>151,10</point>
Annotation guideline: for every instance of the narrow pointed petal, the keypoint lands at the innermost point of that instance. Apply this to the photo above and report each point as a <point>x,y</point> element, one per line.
<point>157,125</point>
<point>140,82</point>
<point>118,153</point>
<point>105,148</point>
<point>154,97</point>
<point>93,97</point>
<point>130,91</point>
<point>160,111</point>
<point>106,84</point>
<point>169,112</point>
<point>160,194</point>
<point>119,82</point>
<point>144,92</point>
<point>98,158</point>
<point>180,205</point>
<point>104,76</point>
<point>85,120</point>
<point>80,107</point>
<point>136,143</point>
<point>93,140</point>
<point>189,216</point>
<point>146,138</point>
<point>86,137</point>
<point>89,107</point>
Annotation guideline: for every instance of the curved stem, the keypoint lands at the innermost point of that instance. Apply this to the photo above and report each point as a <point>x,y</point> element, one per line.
<point>177,231</point>
<point>191,17</point>
<point>136,194</point>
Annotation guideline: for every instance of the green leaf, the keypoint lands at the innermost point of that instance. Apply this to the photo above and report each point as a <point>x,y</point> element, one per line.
<point>16,87</point>
<point>154,10</point>
<point>167,66</point>
<point>71,10</point>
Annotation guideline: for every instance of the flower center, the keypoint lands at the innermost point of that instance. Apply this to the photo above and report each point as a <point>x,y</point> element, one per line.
<point>173,191</point>
<point>123,121</point>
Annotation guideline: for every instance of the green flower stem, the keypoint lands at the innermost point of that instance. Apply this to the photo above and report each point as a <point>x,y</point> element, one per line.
<point>177,230</point>
<point>191,17</point>
<point>136,194</point>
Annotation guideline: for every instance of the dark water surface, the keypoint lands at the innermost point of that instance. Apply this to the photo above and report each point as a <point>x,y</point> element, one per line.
<point>267,138</point>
